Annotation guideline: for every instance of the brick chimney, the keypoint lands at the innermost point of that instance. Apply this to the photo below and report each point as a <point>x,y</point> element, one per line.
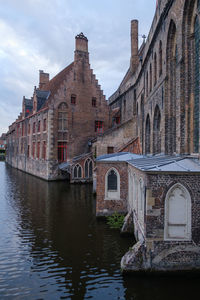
<point>81,47</point>
<point>43,79</point>
<point>134,46</point>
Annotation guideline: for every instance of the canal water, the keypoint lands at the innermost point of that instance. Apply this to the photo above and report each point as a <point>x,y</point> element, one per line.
<point>52,247</point>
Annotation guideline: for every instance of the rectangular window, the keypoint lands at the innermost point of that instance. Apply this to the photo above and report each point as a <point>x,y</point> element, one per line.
<point>22,129</point>
<point>38,150</point>
<point>17,130</point>
<point>99,126</point>
<point>117,120</point>
<point>110,150</point>
<point>62,151</point>
<point>73,99</point>
<point>33,150</point>
<point>44,124</point>
<point>62,121</point>
<point>94,102</point>
<point>44,150</point>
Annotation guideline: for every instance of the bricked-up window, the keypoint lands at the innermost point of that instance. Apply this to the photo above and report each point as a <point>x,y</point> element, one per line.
<point>99,126</point>
<point>44,150</point>
<point>33,127</point>
<point>155,69</point>
<point>38,126</point>
<point>33,150</point>
<point>112,181</point>
<point>147,84</point>
<point>177,225</point>
<point>73,99</point>
<point>77,174</point>
<point>62,151</point>
<point>38,150</point>
<point>150,87</point>
<point>160,58</point>
<point>44,124</point>
<point>88,168</point>
<point>147,135</point>
<point>110,150</point>
<point>94,102</point>
<point>62,121</point>
<point>196,86</point>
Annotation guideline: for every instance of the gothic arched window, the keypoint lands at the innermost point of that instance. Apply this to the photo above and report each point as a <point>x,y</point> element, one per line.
<point>112,184</point>
<point>196,85</point>
<point>88,168</point>
<point>155,69</point>
<point>77,172</point>
<point>160,58</point>
<point>156,131</point>
<point>178,213</point>
<point>147,135</point>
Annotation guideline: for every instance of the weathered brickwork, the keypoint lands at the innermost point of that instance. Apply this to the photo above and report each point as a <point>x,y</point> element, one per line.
<point>59,121</point>
<point>108,206</point>
<point>160,90</point>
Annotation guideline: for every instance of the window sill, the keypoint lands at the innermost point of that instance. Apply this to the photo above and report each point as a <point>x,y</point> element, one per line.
<point>112,199</point>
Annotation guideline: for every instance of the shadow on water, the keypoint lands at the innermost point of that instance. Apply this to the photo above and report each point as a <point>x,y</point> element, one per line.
<point>52,246</point>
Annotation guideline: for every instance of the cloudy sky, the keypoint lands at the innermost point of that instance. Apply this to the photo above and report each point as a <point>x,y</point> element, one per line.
<point>39,35</point>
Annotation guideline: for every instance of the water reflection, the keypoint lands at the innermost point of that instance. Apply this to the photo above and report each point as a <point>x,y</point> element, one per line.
<point>52,247</point>
<point>51,244</point>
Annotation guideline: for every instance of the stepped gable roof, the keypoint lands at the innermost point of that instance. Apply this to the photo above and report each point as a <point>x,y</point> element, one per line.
<point>55,82</point>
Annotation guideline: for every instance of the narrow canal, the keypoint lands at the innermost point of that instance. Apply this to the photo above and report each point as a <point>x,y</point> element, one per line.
<point>52,247</point>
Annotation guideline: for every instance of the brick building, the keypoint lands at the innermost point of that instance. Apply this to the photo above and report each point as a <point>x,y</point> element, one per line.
<point>160,97</point>
<point>61,118</point>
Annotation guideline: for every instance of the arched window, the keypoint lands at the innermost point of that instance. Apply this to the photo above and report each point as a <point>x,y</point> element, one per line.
<point>155,69</point>
<point>88,168</point>
<point>196,86</point>
<point>171,107</point>
<point>77,172</point>
<point>150,88</point>
<point>147,135</point>
<point>112,185</point>
<point>156,131</point>
<point>160,58</point>
<point>177,214</point>
<point>147,84</point>
<point>142,121</point>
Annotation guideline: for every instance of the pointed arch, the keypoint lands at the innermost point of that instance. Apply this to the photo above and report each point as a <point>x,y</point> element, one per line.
<point>88,168</point>
<point>147,135</point>
<point>170,120</point>
<point>155,68</point>
<point>156,131</point>
<point>160,58</point>
<point>77,172</point>
<point>177,213</point>
<point>112,184</point>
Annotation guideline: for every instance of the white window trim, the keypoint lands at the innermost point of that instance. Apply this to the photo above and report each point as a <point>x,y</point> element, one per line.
<point>112,195</point>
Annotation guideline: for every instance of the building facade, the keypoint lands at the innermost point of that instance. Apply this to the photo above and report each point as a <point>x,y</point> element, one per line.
<point>59,121</point>
<point>160,95</point>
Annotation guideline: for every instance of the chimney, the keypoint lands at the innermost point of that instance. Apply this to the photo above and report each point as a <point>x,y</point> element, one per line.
<point>134,46</point>
<point>43,79</point>
<point>81,47</point>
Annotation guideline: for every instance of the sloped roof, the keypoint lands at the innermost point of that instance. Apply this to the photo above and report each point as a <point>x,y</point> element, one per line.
<point>55,82</point>
<point>122,156</point>
<point>164,163</point>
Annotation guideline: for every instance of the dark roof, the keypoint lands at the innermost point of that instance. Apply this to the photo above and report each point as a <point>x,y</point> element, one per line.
<point>42,96</point>
<point>28,102</point>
